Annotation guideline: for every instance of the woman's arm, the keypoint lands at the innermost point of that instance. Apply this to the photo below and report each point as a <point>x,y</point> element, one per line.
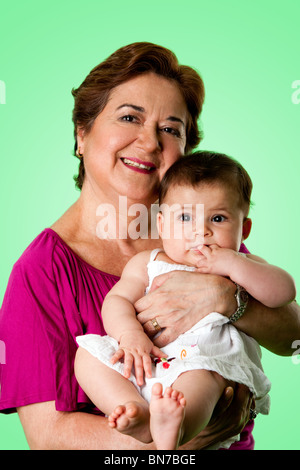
<point>273,328</point>
<point>229,418</point>
<point>183,298</point>
<point>48,429</point>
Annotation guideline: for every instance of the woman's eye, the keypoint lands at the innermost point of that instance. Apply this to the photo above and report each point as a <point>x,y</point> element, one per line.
<point>218,218</point>
<point>171,130</point>
<point>128,118</point>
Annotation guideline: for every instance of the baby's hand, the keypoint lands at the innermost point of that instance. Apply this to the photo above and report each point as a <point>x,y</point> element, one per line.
<point>135,349</point>
<point>216,260</point>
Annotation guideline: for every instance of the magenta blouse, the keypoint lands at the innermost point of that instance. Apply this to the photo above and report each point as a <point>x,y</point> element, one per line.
<point>52,296</point>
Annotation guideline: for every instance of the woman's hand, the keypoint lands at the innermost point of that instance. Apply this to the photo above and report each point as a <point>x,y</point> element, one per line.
<point>179,299</point>
<point>229,418</point>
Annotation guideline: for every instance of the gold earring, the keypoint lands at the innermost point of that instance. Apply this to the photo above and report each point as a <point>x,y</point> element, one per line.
<point>78,154</point>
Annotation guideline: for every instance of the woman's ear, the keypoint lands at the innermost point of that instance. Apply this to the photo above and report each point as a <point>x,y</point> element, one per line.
<point>80,140</point>
<point>160,223</point>
<point>246,228</point>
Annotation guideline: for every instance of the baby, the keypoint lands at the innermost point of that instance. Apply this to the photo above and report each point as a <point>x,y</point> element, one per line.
<point>203,219</point>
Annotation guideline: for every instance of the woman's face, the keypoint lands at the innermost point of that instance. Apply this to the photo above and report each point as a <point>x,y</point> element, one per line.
<point>140,133</point>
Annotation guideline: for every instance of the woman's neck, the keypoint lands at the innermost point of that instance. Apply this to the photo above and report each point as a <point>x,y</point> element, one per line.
<point>110,218</point>
<point>107,234</point>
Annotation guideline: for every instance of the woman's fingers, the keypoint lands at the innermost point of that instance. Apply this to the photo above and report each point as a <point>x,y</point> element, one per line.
<point>182,299</point>
<point>225,401</point>
<point>150,329</point>
<point>165,338</point>
<point>240,409</point>
<point>146,302</point>
<point>158,352</point>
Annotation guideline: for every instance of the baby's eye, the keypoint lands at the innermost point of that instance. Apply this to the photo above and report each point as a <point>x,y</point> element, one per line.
<point>218,218</point>
<point>185,217</point>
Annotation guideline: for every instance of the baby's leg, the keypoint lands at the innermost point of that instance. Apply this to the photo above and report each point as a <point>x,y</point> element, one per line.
<point>107,389</point>
<point>166,417</point>
<point>202,390</point>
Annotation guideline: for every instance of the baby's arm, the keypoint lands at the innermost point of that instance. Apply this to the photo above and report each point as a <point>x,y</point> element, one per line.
<point>270,285</point>
<point>120,322</point>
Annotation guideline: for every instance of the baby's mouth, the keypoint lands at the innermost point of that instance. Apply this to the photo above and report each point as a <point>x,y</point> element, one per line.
<point>196,249</point>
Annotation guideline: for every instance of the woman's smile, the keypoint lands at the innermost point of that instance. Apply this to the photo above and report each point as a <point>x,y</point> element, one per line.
<point>140,166</point>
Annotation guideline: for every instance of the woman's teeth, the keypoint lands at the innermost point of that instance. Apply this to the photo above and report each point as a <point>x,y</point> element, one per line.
<point>137,165</point>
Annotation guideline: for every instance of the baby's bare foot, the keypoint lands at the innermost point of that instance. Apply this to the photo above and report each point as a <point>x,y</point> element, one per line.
<point>132,419</point>
<point>166,417</point>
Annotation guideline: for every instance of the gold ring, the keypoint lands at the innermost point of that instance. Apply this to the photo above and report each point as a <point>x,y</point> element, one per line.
<point>155,324</point>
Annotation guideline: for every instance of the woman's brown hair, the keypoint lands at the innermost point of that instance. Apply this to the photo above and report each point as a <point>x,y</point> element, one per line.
<point>124,64</point>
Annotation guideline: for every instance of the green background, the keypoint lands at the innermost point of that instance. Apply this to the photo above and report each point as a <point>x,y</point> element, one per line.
<point>248,55</point>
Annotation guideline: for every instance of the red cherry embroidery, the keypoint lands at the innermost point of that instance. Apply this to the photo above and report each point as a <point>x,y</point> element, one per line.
<point>165,361</point>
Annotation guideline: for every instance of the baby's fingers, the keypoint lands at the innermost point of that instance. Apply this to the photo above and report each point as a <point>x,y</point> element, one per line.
<point>139,369</point>
<point>202,269</point>
<point>205,250</point>
<point>147,363</point>
<point>128,363</point>
<point>117,356</point>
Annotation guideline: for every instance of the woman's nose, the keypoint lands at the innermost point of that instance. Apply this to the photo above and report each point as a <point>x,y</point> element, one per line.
<point>149,139</point>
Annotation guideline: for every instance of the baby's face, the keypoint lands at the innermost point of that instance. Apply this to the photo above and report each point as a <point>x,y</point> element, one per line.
<point>209,214</point>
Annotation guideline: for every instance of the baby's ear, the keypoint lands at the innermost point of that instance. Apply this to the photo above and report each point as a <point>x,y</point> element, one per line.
<point>160,223</point>
<point>247,224</point>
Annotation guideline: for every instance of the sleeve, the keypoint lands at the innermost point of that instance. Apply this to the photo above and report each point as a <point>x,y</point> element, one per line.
<point>244,249</point>
<point>39,347</point>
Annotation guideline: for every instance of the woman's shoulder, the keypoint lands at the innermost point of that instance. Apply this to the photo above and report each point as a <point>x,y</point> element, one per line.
<point>41,254</point>
<point>33,275</point>
<point>41,248</point>
<point>50,257</point>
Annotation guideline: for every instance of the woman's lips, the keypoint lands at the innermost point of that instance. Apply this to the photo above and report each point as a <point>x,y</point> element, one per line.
<point>138,165</point>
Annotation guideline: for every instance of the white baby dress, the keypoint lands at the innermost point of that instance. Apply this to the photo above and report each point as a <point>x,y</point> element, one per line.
<point>212,344</point>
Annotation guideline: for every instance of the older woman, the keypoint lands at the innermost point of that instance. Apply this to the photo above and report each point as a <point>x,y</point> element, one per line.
<point>135,114</point>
